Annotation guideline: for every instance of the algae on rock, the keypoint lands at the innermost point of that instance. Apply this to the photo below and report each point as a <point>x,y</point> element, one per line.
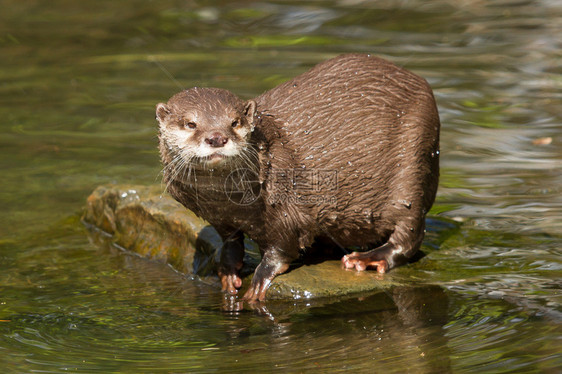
<point>147,221</point>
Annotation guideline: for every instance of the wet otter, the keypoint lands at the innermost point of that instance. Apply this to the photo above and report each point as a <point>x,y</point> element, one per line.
<point>347,152</point>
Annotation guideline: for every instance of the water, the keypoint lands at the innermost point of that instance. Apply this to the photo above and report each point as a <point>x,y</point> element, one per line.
<point>79,84</point>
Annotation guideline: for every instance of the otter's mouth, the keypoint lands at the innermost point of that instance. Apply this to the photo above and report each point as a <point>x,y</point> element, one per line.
<point>214,158</point>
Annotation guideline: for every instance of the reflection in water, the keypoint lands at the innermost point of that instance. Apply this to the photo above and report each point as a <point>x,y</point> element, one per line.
<point>78,90</point>
<point>135,308</point>
<point>402,325</point>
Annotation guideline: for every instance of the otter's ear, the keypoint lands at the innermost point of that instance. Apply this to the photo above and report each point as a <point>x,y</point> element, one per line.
<point>162,112</point>
<point>250,111</point>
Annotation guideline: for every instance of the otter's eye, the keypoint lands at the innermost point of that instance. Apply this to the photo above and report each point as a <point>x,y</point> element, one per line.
<point>236,123</point>
<point>190,125</point>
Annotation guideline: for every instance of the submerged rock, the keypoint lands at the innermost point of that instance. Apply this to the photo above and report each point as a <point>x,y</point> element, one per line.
<point>150,223</point>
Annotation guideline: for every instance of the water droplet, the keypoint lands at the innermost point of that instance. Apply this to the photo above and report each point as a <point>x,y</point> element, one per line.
<point>368,213</point>
<point>349,163</point>
<point>406,203</point>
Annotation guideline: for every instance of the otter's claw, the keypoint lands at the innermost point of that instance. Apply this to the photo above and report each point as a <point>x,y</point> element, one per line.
<point>230,283</point>
<point>363,260</point>
<point>265,272</point>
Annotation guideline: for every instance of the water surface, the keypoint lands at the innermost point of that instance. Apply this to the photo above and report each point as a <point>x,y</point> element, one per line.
<point>78,86</point>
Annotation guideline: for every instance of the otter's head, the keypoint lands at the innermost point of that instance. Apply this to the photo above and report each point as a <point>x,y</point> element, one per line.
<point>205,125</point>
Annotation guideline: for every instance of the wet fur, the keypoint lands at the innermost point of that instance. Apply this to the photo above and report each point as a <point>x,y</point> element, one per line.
<point>376,125</point>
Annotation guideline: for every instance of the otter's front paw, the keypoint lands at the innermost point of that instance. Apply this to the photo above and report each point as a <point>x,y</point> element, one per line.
<point>265,272</point>
<point>230,282</point>
<point>231,261</point>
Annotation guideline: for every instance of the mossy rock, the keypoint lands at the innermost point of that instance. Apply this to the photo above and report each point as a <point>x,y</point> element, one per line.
<point>149,222</point>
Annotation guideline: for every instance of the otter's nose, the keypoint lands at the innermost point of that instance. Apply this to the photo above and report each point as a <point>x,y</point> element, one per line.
<point>216,140</point>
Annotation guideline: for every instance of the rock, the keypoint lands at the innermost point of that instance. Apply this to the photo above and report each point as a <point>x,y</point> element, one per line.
<point>327,279</point>
<point>149,222</point>
<point>143,220</point>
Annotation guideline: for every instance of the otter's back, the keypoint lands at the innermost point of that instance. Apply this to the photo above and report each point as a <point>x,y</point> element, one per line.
<point>364,117</point>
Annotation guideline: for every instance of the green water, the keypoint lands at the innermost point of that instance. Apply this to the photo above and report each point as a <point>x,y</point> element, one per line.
<point>78,85</point>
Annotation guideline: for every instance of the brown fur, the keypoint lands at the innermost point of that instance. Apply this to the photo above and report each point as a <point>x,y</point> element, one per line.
<point>372,125</point>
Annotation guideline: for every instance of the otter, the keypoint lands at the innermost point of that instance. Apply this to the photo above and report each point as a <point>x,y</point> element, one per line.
<point>345,153</point>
